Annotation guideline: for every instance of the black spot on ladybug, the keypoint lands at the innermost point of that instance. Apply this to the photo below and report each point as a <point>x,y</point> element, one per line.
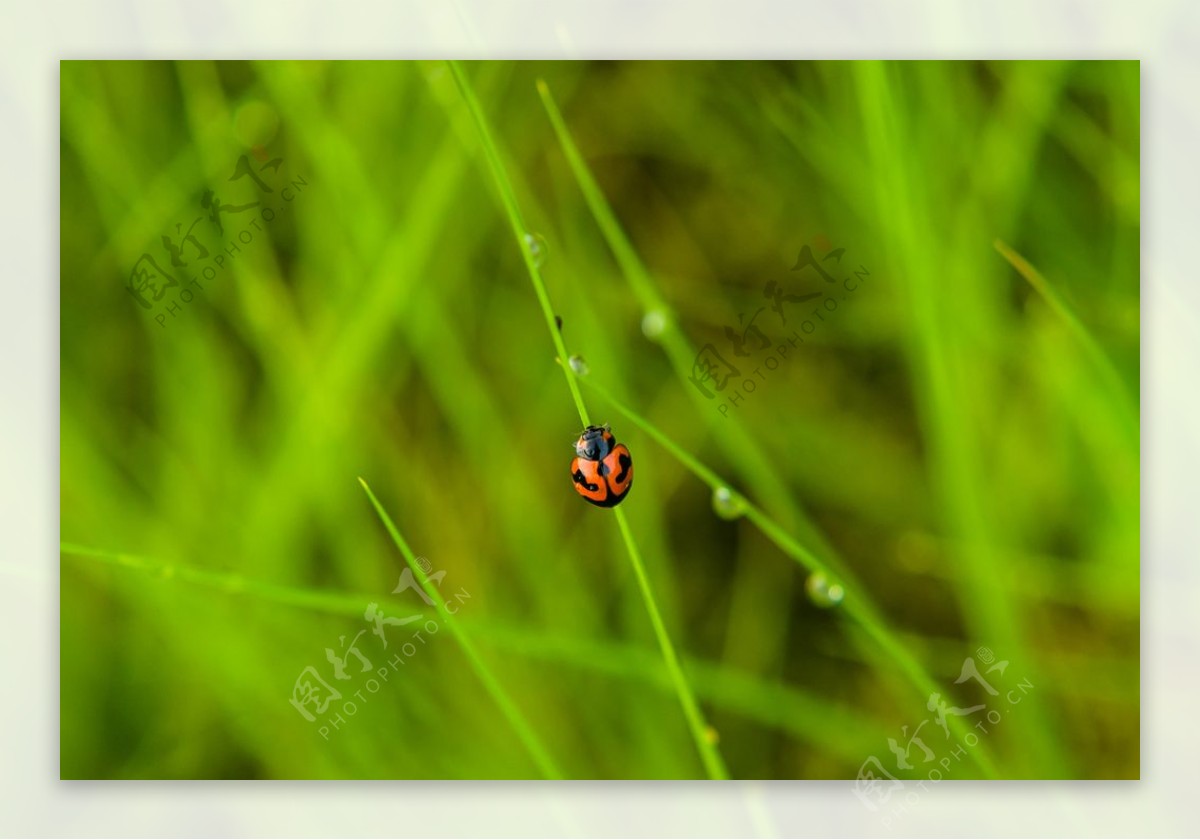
<point>582,480</point>
<point>626,463</point>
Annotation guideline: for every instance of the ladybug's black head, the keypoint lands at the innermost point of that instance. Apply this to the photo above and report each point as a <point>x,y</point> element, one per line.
<point>595,443</point>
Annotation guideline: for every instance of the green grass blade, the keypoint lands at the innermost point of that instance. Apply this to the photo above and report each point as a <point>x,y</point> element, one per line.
<point>512,211</point>
<point>941,357</point>
<point>779,706</point>
<point>227,582</point>
<point>1099,358</point>
<point>708,751</point>
<point>626,256</point>
<point>700,731</point>
<point>731,436</point>
<point>520,725</point>
<point>856,604</point>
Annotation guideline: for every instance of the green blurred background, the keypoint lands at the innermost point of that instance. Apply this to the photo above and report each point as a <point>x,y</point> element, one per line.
<point>963,448</point>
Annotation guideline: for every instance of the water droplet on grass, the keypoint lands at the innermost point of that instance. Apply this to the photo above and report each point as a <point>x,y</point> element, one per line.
<point>727,504</point>
<point>537,248</point>
<point>822,591</point>
<point>579,365</point>
<point>654,323</point>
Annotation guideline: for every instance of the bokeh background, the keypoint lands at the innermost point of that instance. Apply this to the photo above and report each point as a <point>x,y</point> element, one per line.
<point>959,442</point>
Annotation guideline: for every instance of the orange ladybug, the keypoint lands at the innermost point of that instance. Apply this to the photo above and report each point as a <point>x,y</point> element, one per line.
<point>602,469</point>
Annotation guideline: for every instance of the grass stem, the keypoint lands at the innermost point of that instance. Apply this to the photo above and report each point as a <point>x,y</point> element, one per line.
<point>701,732</point>
<point>537,751</point>
<point>512,211</point>
<point>709,754</point>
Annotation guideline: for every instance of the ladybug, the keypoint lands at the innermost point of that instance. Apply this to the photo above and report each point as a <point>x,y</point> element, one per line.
<point>602,469</point>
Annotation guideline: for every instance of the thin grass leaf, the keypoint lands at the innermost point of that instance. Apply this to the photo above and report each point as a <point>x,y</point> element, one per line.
<point>730,435</point>
<point>520,725</point>
<point>512,211</point>
<point>713,762</point>
<point>1091,346</point>
<point>938,357</point>
<point>709,754</point>
<point>346,604</point>
<point>856,604</point>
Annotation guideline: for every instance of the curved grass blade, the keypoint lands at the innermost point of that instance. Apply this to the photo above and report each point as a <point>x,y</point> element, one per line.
<point>1100,359</point>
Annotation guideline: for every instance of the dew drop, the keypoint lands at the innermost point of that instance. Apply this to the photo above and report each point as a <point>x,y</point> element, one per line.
<point>654,323</point>
<point>537,248</point>
<point>727,504</point>
<point>712,735</point>
<point>578,365</point>
<point>823,592</point>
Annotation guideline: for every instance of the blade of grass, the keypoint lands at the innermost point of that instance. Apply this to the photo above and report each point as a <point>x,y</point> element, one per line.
<point>941,359</point>
<point>349,605</point>
<point>729,434</point>
<point>700,730</point>
<point>521,726</point>
<point>512,212</point>
<point>346,604</point>
<point>1060,307</point>
<point>709,754</point>
<point>776,705</point>
<point>679,354</point>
